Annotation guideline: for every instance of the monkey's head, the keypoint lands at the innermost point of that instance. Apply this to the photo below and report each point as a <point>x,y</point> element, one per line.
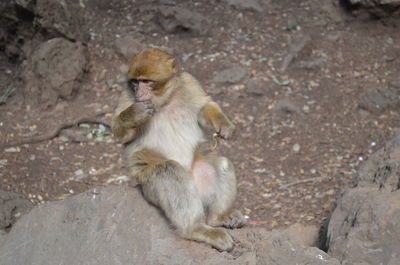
<point>149,72</point>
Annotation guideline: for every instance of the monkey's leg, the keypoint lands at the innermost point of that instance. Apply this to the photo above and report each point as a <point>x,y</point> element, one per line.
<point>168,185</point>
<point>219,203</point>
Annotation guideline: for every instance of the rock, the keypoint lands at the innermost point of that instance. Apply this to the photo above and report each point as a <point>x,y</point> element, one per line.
<point>378,8</point>
<point>60,18</point>
<point>372,3</point>
<point>54,71</point>
<point>365,225</point>
<point>278,251</point>
<point>177,19</point>
<point>246,5</point>
<point>129,46</point>
<point>382,169</point>
<point>303,235</point>
<point>256,87</point>
<point>287,106</point>
<point>297,44</point>
<point>114,225</point>
<point>28,5</point>
<point>230,75</point>
<point>11,205</point>
<point>379,100</point>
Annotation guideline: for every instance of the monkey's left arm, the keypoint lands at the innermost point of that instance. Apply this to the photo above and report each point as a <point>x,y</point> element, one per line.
<point>211,115</point>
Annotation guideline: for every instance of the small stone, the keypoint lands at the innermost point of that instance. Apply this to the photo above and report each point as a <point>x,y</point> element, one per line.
<point>12,150</point>
<point>40,198</point>
<point>330,192</point>
<point>296,148</point>
<point>287,106</point>
<point>277,206</point>
<point>79,172</point>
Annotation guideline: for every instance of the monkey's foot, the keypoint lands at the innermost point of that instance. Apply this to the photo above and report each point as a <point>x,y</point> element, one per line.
<point>219,238</point>
<point>235,220</point>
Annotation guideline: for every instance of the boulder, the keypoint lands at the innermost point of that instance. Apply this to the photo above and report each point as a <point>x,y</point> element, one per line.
<point>381,99</point>
<point>60,18</point>
<point>178,19</point>
<point>54,71</point>
<point>115,225</point>
<point>365,225</point>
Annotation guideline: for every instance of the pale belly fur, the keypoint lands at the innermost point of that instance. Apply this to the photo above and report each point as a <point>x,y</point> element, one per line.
<point>175,134</point>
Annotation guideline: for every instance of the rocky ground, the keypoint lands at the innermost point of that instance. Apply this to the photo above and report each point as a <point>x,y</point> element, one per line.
<point>313,88</point>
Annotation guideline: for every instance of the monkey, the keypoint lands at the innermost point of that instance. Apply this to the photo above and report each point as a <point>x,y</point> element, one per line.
<point>160,119</point>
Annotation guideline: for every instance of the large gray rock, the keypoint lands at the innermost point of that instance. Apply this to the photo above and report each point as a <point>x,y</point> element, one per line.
<point>54,71</point>
<point>60,18</point>
<point>371,3</point>
<point>381,99</point>
<point>177,19</point>
<point>114,225</point>
<point>379,8</point>
<point>365,226</point>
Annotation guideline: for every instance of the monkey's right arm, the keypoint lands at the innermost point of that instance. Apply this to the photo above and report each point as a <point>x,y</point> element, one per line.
<point>128,116</point>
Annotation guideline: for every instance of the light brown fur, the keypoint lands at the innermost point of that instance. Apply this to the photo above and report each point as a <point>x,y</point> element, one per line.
<point>162,138</point>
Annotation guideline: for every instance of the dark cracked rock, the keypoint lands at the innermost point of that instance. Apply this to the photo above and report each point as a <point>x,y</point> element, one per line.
<point>365,225</point>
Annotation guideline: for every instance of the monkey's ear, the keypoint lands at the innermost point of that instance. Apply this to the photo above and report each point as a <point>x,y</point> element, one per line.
<point>175,65</point>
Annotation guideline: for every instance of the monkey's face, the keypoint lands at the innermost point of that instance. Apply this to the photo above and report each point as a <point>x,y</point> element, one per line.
<point>143,89</point>
<point>149,71</point>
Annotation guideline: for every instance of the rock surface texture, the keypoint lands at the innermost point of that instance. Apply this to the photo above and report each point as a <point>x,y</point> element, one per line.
<point>365,226</point>
<point>114,225</point>
<point>54,71</point>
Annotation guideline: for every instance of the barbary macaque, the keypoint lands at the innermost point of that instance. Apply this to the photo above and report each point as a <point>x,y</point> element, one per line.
<point>159,118</point>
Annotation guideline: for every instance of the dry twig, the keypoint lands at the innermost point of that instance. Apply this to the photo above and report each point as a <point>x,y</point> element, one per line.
<point>56,131</point>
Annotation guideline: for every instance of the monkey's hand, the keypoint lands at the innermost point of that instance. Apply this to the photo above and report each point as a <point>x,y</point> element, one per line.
<point>225,129</point>
<point>137,113</point>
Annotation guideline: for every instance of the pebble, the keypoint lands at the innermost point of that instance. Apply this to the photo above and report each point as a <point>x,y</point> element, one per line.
<point>296,148</point>
<point>330,192</point>
<point>306,108</point>
<point>79,172</point>
<point>12,150</point>
<point>40,198</point>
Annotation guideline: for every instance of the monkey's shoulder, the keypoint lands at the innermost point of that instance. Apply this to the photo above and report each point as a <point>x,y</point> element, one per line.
<point>194,90</point>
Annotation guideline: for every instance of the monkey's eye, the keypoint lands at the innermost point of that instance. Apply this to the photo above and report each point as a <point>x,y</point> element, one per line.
<point>146,81</point>
<point>133,84</point>
<point>133,81</point>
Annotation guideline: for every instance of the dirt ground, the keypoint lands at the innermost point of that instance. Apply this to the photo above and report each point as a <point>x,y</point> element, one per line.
<point>299,140</point>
